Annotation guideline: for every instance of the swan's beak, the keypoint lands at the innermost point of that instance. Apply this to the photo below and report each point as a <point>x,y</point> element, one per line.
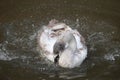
<point>56,59</point>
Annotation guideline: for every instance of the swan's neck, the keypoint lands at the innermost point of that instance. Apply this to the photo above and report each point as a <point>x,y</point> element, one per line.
<point>65,47</point>
<point>70,41</point>
<point>66,58</point>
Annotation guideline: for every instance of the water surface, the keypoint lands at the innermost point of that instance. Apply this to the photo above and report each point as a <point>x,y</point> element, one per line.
<point>98,21</point>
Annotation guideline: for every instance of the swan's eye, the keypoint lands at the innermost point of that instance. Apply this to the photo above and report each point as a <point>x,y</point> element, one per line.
<point>62,47</point>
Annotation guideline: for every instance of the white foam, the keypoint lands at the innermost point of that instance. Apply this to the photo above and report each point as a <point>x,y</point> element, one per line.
<point>5,56</point>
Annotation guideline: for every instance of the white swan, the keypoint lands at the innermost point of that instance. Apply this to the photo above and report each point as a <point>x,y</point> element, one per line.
<point>62,45</point>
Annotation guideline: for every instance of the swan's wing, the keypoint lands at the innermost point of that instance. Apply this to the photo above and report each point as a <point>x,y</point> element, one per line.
<point>79,39</point>
<point>81,52</point>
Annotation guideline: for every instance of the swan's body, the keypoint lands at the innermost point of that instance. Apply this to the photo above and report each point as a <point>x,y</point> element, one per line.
<point>62,45</point>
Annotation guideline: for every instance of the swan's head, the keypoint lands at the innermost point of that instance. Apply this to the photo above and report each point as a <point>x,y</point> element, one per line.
<point>64,50</point>
<point>59,47</point>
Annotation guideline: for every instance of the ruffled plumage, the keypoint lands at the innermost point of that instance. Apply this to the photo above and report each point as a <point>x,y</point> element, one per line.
<point>60,43</point>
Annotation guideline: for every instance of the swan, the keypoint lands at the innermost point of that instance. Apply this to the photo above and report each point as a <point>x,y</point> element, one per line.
<point>62,45</point>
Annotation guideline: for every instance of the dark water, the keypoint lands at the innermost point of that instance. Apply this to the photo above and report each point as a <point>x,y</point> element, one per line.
<point>97,20</point>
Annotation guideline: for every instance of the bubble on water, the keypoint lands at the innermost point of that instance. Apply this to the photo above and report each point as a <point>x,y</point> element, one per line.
<point>112,55</point>
<point>109,57</point>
